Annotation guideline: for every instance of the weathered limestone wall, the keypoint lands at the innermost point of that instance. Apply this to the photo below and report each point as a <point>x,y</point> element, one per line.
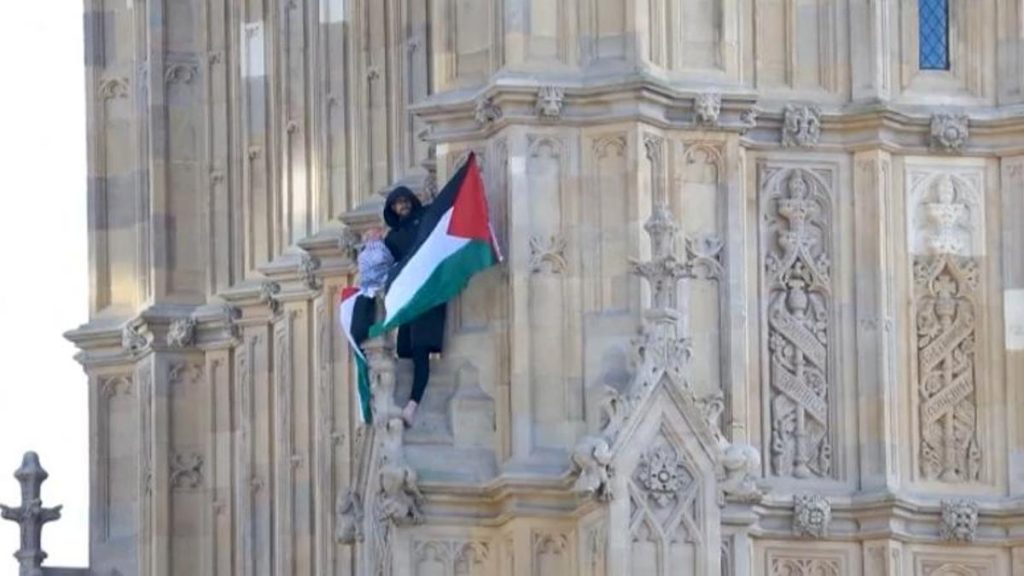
<point>853,293</point>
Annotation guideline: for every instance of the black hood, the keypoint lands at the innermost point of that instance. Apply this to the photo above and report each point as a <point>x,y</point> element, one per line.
<point>390,217</point>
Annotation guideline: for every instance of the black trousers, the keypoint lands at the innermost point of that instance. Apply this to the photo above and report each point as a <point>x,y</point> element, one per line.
<point>363,317</point>
<point>420,373</point>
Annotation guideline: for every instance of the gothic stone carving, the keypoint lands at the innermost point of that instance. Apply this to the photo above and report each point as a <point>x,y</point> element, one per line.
<point>748,119</point>
<point>133,340</point>
<point>799,302</point>
<point>949,132</point>
<point>486,112</point>
<point>591,460</point>
<point>739,464</point>
<point>707,107</point>
<point>308,265</point>
<point>947,212</point>
<point>944,288</point>
<point>182,333</point>
<point>666,504</point>
<point>186,471</point>
<point>787,566</point>
<point>548,254</point>
<point>111,88</point>
<point>181,73</point>
<point>398,500</point>
<point>811,515</point>
<point>348,518</point>
<point>268,295</point>
<point>662,475</point>
<point>944,228</point>
<point>704,254</point>
<point>454,557</point>
<point>959,522</point>
<point>114,385</point>
<point>550,100</point>
<point>801,126</point>
<point>30,515</point>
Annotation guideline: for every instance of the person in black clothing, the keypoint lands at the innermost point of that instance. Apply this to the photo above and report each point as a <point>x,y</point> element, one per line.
<point>424,335</point>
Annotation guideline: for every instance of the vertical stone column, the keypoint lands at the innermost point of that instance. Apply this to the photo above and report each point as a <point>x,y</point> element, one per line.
<point>871,29</point>
<point>883,558</point>
<point>877,394</point>
<point>1012,233</point>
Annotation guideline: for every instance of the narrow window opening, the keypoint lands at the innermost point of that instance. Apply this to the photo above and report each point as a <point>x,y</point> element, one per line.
<point>933,34</point>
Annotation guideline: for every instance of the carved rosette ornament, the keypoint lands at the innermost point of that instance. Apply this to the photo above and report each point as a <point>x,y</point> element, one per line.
<point>662,475</point>
<point>946,283</point>
<point>959,520</point>
<point>658,353</point>
<point>949,132</point>
<point>706,109</point>
<point>801,126</point>
<point>811,515</point>
<point>550,100</point>
<point>799,305</point>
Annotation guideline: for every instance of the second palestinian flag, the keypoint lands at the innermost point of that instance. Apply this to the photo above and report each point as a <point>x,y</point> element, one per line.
<point>355,319</point>
<point>455,241</point>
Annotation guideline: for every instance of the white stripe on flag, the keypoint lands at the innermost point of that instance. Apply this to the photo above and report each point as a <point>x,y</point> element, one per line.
<point>345,315</point>
<point>434,250</point>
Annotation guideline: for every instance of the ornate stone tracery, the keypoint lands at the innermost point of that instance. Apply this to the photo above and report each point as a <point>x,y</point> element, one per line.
<point>798,262</point>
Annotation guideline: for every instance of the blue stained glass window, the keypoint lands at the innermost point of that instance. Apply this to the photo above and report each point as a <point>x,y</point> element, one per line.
<point>933,22</point>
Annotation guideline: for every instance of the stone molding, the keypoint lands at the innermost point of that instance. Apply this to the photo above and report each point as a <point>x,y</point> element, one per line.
<point>902,129</point>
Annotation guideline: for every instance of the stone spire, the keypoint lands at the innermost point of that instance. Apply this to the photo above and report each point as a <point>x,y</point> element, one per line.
<point>660,349</point>
<point>30,516</point>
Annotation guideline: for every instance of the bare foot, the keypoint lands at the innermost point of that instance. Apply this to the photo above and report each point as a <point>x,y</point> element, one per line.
<point>408,412</point>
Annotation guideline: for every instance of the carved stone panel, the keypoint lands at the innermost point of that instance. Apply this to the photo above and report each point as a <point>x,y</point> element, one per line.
<point>800,559</point>
<point>666,511</point>
<point>944,288</point>
<point>551,554</point>
<point>797,256</point>
<point>698,202</point>
<point>945,235</point>
<point>452,557</point>
<point>551,264</point>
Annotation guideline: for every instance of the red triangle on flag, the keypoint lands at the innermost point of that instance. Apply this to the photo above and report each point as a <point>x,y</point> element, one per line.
<point>470,216</point>
<point>348,292</point>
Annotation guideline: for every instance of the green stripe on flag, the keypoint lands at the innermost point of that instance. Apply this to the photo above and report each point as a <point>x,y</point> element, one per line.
<point>363,382</point>
<point>443,284</point>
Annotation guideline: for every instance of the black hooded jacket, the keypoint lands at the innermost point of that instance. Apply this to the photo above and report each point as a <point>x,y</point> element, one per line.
<point>427,331</point>
<point>402,236</point>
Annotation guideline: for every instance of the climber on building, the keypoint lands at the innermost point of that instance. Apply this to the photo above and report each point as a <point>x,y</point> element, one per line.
<point>425,335</point>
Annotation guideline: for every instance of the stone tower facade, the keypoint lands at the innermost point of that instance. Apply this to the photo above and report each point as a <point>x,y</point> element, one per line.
<point>761,313</point>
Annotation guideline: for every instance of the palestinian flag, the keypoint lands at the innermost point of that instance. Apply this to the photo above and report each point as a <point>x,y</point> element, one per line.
<point>455,241</point>
<point>349,318</point>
